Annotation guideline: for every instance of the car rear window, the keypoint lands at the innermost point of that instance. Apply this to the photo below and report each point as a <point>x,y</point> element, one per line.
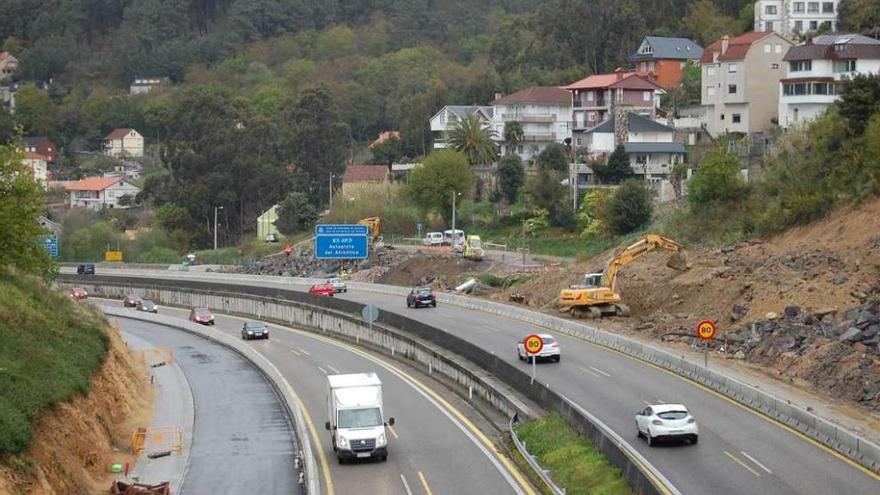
<point>425,292</point>
<point>549,340</point>
<point>673,415</point>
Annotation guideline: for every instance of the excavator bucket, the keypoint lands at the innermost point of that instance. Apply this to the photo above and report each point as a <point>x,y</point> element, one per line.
<point>678,261</point>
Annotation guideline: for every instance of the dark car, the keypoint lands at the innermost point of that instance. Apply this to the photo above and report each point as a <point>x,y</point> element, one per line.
<point>254,330</point>
<point>131,301</point>
<point>201,315</point>
<point>421,296</point>
<point>85,269</point>
<point>147,306</point>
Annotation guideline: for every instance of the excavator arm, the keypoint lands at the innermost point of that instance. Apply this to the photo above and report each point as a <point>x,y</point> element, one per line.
<point>640,248</point>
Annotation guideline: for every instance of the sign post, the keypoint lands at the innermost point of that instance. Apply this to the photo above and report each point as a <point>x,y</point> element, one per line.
<point>370,313</point>
<point>341,242</point>
<point>533,345</point>
<point>706,331</point>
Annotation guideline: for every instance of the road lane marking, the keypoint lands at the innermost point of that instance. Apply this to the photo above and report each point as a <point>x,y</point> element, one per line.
<point>425,483</point>
<point>587,370</point>
<point>405,485</point>
<point>323,370</point>
<point>294,352</point>
<point>393,433</point>
<point>331,368</point>
<point>492,329</point>
<point>300,349</point>
<point>741,463</point>
<point>597,370</point>
<point>756,462</point>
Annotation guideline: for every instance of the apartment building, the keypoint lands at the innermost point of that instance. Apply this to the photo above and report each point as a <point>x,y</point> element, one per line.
<point>791,18</point>
<point>544,112</point>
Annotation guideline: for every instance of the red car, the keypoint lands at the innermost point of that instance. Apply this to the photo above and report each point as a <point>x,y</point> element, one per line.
<point>78,293</point>
<point>322,290</point>
<point>201,315</point>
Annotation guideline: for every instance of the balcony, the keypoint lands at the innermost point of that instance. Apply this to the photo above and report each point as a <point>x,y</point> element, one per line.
<point>539,137</point>
<point>530,118</point>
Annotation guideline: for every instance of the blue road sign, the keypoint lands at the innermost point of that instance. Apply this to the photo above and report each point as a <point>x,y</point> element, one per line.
<point>51,244</point>
<point>341,242</point>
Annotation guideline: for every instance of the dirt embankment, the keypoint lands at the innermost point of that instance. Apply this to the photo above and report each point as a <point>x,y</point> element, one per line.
<point>826,273</point>
<point>76,443</point>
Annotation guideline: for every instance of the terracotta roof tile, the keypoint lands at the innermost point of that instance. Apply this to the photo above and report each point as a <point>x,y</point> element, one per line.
<point>625,80</point>
<point>365,173</point>
<point>737,48</point>
<point>544,95</point>
<point>92,184</point>
<point>118,133</point>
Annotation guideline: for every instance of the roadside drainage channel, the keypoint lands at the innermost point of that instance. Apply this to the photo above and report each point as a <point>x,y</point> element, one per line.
<point>409,338</point>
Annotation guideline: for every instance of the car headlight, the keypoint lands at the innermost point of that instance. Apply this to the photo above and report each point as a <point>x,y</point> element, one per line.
<point>380,440</point>
<point>341,442</point>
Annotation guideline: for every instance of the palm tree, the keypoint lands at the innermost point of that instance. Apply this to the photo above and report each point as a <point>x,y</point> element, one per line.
<point>475,140</point>
<point>513,134</point>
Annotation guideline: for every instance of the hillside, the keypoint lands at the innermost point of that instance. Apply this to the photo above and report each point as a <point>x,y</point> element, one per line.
<point>70,393</point>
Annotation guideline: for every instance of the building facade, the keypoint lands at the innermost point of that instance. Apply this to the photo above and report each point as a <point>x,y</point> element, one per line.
<point>98,193</point>
<point>38,165</point>
<point>41,145</point>
<point>794,18</point>
<point>665,58</point>
<point>444,121</point>
<point>8,65</point>
<point>544,112</point>
<point>740,82</point>
<point>124,142</point>
<point>815,69</point>
<point>146,85</point>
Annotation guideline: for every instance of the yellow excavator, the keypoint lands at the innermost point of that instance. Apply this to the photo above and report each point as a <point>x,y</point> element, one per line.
<point>596,296</point>
<point>375,226</point>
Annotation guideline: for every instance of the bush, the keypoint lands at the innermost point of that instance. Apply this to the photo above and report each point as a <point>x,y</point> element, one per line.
<point>511,175</point>
<point>629,207</point>
<point>554,158</point>
<point>159,255</point>
<point>616,169</point>
<point>717,180</point>
<point>296,213</point>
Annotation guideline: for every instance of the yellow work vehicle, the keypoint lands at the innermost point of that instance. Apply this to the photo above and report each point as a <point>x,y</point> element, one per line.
<point>596,295</point>
<point>375,226</point>
<point>473,248</point>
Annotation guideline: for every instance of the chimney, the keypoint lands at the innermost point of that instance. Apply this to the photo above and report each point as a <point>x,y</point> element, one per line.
<point>725,43</point>
<point>498,96</point>
<point>619,72</point>
<point>621,124</point>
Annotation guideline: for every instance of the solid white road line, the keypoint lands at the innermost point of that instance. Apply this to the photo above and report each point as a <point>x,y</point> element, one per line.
<point>323,370</point>
<point>405,485</point>
<point>597,370</point>
<point>587,370</point>
<point>294,352</point>
<point>756,462</point>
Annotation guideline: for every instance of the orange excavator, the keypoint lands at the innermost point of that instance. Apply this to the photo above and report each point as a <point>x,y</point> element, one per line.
<point>596,295</point>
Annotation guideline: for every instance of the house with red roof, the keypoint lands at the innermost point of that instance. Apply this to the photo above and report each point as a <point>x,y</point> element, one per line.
<point>124,143</point>
<point>544,113</point>
<point>594,99</point>
<point>8,65</point>
<point>98,193</point>
<point>740,90</point>
<point>41,145</point>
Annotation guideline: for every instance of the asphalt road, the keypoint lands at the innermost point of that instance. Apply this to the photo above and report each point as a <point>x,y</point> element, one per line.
<point>242,441</point>
<point>430,450</point>
<point>740,451</point>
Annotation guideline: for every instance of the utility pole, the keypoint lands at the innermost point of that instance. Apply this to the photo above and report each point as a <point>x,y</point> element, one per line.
<point>216,209</point>
<point>454,234</point>
<point>331,191</point>
<point>524,246</point>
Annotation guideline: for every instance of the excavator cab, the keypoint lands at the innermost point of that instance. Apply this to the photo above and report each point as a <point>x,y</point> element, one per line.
<point>591,281</point>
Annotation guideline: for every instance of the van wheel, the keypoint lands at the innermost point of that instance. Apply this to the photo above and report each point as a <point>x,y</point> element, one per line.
<point>340,460</point>
<point>384,457</point>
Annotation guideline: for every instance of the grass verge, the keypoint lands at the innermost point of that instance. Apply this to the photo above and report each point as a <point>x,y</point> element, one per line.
<point>49,347</point>
<point>574,463</point>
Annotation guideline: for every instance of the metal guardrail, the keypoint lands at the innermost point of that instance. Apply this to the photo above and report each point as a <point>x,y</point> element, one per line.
<point>544,474</point>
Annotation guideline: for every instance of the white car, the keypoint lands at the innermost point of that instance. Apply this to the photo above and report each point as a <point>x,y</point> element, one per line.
<point>666,422</point>
<point>549,351</point>
<point>433,239</point>
<point>338,285</point>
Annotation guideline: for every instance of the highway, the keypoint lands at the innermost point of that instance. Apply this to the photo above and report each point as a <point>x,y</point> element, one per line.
<point>740,451</point>
<point>434,448</point>
<point>242,441</point>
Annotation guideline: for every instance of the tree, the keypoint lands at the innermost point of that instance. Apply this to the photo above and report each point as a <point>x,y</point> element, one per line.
<point>388,151</point>
<point>296,213</point>
<point>513,134</point>
<point>475,139</point>
<point>747,17</point>
<point>629,208</point>
<point>21,202</point>
<point>860,100</point>
<point>553,157</point>
<point>35,111</point>
<point>442,174</point>
<point>510,176</point>
<point>545,191</point>
<point>705,23</point>
<point>126,200</point>
<point>717,180</point>
<point>859,16</point>
<point>616,169</point>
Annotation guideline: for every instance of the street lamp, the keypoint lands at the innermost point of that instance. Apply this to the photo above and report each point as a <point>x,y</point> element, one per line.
<point>216,209</point>
<point>454,195</point>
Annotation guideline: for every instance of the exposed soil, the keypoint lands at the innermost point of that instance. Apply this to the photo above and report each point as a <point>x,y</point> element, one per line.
<point>76,443</point>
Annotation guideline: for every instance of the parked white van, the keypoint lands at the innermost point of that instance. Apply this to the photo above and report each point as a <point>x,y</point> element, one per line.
<point>433,239</point>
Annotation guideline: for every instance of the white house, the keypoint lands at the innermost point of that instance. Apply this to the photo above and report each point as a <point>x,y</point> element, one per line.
<point>815,69</point>
<point>146,85</point>
<point>124,142</point>
<point>795,17</point>
<point>100,192</point>
<point>544,113</point>
<point>444,121</point>
<point>38,165</point>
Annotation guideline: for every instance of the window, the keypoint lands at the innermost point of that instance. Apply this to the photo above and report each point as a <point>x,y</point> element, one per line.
<point>736,118</point>
<point>777,48</point>
<point>646,95</point>
<point>798,26</point>
<point>642,159</point>
<point>800,65</point>
<point>768,26</point>
<point>731,89</point>
<point>813,7</point>
<point>519,148</point>
<point>578,141</point>
<point>647,49</point>
<point>767,48</point>
<point>840,47</point>
<point>827,7</point>
<point>798,8</point>
<point>710,71</point>
<point>820,89</point>
<point>590,96</point>
<point>845,65</point>
<point>814,25</point>
<point>722,116</point>
<point>770,10</point>
<point>710,91</point>
<point>731,68</point>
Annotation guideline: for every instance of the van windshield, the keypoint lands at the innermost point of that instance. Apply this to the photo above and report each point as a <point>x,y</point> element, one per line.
<point>360,418</point>
<point>475,243</point>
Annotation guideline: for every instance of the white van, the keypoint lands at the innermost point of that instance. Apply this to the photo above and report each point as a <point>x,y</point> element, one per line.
<point>453,238</point>
<point>356,416</point>
<point>433,239</point>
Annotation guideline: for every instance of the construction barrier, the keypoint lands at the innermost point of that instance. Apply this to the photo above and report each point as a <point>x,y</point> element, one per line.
<point>157,439</point>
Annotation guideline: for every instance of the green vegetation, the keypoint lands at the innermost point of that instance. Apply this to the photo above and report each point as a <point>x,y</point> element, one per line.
<point>443,174</point>
<point>475,140</point>
<point>629,208</point>
<point>47,356</point>
<point>575,464</point>
<point>511,176</point>
<point>296,214</point>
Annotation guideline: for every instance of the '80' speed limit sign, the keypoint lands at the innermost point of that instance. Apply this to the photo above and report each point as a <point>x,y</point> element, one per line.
<point>533,344</point>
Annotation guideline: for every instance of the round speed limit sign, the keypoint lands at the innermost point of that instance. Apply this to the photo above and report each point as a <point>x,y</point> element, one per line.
<point>706,329</point>
<point>533,344</point>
